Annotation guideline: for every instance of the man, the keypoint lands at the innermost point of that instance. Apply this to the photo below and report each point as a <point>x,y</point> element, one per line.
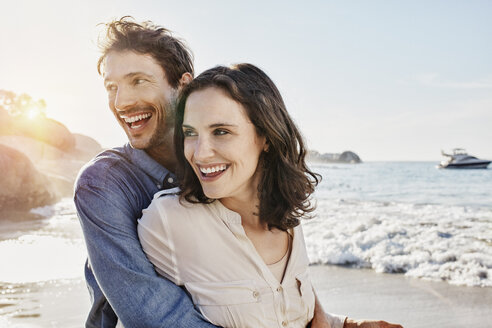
<point>144,67</point>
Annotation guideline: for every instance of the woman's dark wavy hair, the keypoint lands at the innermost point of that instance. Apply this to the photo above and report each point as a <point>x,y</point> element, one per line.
<point>146,38</point>
<point>286,182</point>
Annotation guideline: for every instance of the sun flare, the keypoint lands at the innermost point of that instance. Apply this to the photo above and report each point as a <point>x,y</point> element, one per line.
<point>32,113</point>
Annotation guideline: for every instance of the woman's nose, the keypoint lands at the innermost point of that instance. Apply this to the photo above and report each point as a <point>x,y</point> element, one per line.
<point>203,149</point>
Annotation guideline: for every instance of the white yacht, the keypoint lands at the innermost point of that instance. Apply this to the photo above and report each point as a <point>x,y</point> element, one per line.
<point>461,160</point>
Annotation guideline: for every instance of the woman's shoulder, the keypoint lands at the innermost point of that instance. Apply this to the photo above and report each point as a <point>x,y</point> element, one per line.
<point>169,206</point>
<point>170,199</point>
<point>167,216</point>
<point>167,199</point>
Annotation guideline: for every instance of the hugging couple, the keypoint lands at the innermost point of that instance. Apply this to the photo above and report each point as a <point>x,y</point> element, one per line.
<point>195,222</point>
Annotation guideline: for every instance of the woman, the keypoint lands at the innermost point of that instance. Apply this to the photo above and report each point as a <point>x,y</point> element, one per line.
<point>232,235</point>
<point>241,257</point>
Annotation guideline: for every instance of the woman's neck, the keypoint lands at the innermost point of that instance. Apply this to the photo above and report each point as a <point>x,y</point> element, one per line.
<point>248,207</point>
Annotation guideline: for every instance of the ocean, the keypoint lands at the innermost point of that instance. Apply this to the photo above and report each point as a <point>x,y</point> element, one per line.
<point>395,217</point>
<point>405,217</point>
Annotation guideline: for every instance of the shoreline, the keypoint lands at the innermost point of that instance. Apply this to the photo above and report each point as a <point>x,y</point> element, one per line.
<point>55,303</point>
<point>411,302</point>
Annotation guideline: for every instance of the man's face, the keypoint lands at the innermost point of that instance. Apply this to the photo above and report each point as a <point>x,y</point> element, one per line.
<point>140,97</point>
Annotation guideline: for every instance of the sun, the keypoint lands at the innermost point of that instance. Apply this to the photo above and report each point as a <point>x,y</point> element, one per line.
<point>32,113</point>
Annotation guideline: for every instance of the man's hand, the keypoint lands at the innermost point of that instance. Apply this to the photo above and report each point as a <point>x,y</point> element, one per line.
<point>325,320</point>
<point>350,323</point>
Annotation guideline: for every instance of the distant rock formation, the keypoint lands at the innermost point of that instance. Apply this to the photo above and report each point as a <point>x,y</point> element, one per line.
<point>39,161</point>
<point>85,147</point>
<point>346,157</point>
<point>60,167</point>
<point>22,187</point>
<point>349,157</point>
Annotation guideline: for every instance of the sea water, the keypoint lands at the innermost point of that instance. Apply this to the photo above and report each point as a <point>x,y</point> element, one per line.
<point>406,217</point>
<point>402,218</point>
<point>42,259</point>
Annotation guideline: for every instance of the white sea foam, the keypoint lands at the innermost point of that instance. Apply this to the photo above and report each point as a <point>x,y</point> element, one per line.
<point>439,242</point>
<point>46,211</point>
<point>63,207</point>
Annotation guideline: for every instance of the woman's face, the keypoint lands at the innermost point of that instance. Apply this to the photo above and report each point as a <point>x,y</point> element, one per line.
<point>221,144</point>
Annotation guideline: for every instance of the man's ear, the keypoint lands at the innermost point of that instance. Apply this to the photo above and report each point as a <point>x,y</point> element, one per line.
<point>185,79</point>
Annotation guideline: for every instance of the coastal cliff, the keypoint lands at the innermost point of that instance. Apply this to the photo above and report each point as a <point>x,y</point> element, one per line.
<point>22,186</point>
<point>39,161</point>
<point>346,157</point>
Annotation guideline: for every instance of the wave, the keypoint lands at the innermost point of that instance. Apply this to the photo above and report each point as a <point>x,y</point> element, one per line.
<point>437,242</point>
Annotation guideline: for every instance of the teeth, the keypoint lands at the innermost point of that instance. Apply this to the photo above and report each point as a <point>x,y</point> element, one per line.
<point>136,117</point>
<point>213,169</point>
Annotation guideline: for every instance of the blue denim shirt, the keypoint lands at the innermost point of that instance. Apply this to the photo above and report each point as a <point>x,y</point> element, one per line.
<point>110,193</point>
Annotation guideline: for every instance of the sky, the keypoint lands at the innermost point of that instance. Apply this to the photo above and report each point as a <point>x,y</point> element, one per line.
<point>389,80</point>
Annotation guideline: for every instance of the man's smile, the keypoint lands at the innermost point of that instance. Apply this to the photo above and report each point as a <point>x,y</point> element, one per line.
<point>136,120</point>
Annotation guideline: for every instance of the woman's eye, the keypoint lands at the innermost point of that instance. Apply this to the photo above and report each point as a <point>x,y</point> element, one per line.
<point>220,132</point>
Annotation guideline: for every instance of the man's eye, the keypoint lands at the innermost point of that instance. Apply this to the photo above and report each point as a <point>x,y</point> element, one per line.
<point>139,81</point>
<point>189,133</point>
<point>111,87</point>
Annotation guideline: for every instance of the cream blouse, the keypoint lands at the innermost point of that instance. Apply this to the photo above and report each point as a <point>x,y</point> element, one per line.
<point>278,268</point>
<point>204,247</point>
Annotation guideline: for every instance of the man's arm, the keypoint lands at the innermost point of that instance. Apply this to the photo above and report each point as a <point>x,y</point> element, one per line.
<point>350,323</point>
<point>326,320</point>
<point>139,297</point>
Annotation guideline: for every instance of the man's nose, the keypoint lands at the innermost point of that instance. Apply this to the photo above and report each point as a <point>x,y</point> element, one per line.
<point>203,149</point>
<point>125,99</point>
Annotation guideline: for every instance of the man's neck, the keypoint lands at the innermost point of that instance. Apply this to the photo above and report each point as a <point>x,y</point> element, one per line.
<point>164,155</point>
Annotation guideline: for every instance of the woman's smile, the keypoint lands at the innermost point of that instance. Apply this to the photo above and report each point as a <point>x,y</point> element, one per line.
<point>211,172</point>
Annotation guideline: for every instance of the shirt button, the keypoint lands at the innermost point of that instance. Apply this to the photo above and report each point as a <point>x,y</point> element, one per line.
<point>279,289</point>
<point>159,186</point>
<point>256,294</point>
<point>284,323</point>
<point>170,180</point>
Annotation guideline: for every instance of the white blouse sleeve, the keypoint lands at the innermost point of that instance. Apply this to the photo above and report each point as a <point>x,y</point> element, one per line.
<point>157,240</point>
<point>336,320</point>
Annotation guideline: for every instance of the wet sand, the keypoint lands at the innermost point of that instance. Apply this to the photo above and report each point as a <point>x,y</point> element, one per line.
<point>61,303</point>
<point>353,292</point>
<point>395,298</point>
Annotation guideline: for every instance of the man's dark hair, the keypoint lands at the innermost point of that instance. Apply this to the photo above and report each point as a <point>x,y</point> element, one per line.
<point>147,38</point>
<point>286,183</point>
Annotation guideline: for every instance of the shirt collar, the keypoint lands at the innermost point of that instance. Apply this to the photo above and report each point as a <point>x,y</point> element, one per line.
<point>148,164</point>
<point>227,215</point>
<point>231,217</point>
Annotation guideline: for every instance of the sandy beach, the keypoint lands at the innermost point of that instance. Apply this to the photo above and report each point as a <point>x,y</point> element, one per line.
<point>395,298</point>
<point>61,303</point>
<point>353,292</point>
